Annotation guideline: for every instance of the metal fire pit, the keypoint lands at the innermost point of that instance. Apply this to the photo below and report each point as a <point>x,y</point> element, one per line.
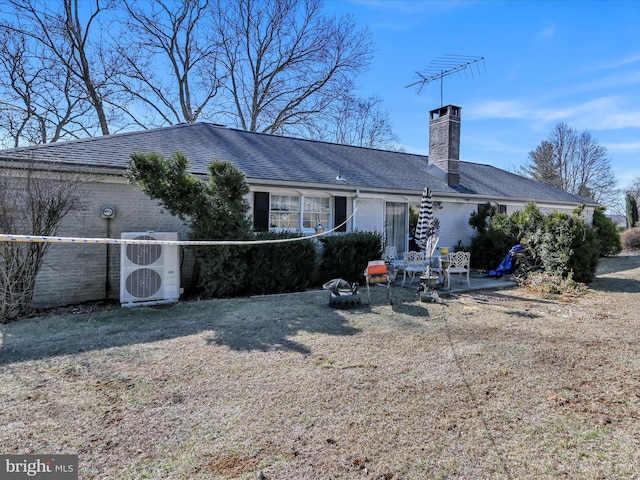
<point>343,294</point>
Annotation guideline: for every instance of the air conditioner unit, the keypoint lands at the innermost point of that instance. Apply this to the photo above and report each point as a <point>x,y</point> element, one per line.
<point>149,272</point>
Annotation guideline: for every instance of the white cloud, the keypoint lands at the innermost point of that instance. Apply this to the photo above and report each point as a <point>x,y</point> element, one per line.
<point>624,146</point>
<point>621,62</point>
<point>548,32</point>
<point>603,113</point>
<point>498,109</point>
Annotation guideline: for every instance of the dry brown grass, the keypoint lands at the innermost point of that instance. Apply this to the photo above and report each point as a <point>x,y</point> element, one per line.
<point>483,385</point>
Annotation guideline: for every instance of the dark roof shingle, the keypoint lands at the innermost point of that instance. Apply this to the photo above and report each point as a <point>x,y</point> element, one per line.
<point>264,157</point>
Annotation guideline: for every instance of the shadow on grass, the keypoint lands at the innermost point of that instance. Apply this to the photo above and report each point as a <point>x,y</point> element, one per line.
<point>617,274</point>
<point>244,324</point>
<point>618,285</point>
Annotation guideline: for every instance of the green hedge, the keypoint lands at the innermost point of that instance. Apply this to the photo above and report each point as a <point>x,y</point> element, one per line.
<point>288,266</point>
<point>280,267</point>
<point>346,256</point>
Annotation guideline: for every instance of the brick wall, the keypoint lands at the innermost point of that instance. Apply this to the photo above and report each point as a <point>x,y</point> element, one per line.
<point>74,273</point>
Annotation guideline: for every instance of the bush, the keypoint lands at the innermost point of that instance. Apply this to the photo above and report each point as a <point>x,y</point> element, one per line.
<point>606,233</point>
<point>346,256</point>
<point>561,243</point>
<point>630,239</point>
<point>215,210</point>
<point>489,249</point>
<point>568,244</point>
<point>281,267</point>
<point>221,269</point>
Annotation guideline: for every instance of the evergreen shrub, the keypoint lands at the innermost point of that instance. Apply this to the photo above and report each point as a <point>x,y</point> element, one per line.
<point>569,244</point>
<point>281,267</point>
<point>562,243</point>
<point>346,255</point>
<point>607,233</point>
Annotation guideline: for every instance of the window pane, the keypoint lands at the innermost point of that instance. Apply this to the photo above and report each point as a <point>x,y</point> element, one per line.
<point>284,212</point>
<point>316,211</point>
<point>290,220</point>
<point>311,220</point>
<point>285,203</point>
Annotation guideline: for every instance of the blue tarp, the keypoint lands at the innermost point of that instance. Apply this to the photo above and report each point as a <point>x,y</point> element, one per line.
<point>506,266</point>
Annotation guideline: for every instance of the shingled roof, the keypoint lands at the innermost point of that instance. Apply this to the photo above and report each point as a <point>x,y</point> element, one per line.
<point>286,160</point>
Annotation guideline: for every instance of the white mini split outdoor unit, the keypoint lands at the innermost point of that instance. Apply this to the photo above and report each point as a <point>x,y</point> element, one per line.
<point>150,272</point>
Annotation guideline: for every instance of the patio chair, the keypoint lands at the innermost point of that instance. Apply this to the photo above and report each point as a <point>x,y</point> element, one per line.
<point>393,261</point>
<point>460,263</point>
<point>413,263</point>
<point>377,273</point>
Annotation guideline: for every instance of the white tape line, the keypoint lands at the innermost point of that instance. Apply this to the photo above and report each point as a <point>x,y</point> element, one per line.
<point>120,241</point>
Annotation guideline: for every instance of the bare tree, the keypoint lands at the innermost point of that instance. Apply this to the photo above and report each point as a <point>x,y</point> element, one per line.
<point>38,104</point>
<point>634,188</point>
<point>543,167</point>
<point>287,62</point>
<point>359,121</point>
<point>574,162</point>
<point>33,201</point>
<point>62,36</point>
<point>174,37</point>
<point>275,66</point>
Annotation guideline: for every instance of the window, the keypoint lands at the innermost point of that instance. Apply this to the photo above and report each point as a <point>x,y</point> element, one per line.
<point>290,213</point>
<point>284,212</point>
<point>316,211</point>
<point>493,208</point>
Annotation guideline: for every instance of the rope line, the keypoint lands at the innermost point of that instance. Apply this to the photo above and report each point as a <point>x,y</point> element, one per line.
<point>122,241</point>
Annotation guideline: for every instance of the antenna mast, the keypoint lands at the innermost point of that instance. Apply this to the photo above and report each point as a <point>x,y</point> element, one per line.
<point>445,66</point>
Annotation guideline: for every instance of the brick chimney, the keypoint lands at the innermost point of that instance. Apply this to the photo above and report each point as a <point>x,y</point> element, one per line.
<point>444,142</point>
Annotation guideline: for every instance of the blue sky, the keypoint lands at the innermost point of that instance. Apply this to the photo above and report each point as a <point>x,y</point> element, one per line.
<point>546,62</point>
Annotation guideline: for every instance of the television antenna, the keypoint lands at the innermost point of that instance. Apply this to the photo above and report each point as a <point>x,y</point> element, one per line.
<point>446,66</point>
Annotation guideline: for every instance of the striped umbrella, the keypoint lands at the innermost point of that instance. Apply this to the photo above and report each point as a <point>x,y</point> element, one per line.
<point>425,219</point>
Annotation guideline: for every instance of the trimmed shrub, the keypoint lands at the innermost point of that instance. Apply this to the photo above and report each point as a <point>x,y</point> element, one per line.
<point>222,269</point>
<point>281,267</point>
<point>632,211</point>
<point>346,256</point>
<point>630,239</point>
<point>606,233</point>
<point>215,210</point>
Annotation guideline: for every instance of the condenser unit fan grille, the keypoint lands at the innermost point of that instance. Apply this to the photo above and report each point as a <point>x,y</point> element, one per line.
<point>144,254</point>
<point>143,283</point>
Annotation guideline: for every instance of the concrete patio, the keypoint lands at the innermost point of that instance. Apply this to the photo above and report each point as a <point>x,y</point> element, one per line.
<point>478,281</point>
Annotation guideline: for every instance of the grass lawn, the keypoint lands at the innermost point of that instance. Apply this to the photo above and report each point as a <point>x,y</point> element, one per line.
<point>499,385</point>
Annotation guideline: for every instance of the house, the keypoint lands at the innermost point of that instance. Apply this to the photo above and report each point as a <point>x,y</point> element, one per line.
<point>295,184</point>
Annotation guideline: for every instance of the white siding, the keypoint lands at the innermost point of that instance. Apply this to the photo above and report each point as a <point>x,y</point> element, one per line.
<point>370,215</point>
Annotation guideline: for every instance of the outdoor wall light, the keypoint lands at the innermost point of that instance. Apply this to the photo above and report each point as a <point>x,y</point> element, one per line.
<point>319,228</point>
<point>437,204</point>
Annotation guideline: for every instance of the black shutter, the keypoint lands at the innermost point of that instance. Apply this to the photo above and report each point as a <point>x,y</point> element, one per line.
<point>261,211</point>
<point>340,213</point>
